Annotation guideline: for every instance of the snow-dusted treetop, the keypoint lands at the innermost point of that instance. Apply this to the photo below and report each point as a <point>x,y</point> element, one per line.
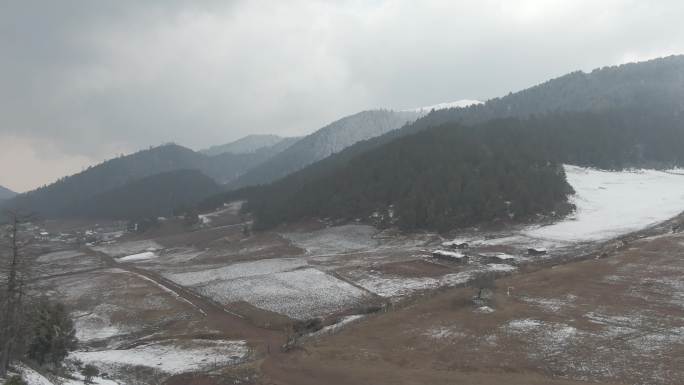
<point>442,106</point>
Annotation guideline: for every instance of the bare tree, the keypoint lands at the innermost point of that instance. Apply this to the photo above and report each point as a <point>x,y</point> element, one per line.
<point>13,275</point>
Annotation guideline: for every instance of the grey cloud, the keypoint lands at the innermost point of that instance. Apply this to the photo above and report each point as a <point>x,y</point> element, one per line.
<point>95,78</point>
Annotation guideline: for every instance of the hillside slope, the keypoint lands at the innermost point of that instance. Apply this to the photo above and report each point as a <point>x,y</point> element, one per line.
<point>455,175</point>
<point>52,200</point>
<point>228,166</point>
<point>656,85</point>
<point>58,199</point>
<point>441,178</point>
<point>153,196</point>
<point>328,140</point>
<point>245,145</point>
<point>6,193</point>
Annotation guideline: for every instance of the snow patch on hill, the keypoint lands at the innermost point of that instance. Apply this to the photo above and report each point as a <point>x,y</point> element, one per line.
<point>611,203</point>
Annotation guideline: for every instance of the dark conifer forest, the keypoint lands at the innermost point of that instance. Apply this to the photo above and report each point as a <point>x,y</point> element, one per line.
<point>150,197</point>
<point>455,175</point>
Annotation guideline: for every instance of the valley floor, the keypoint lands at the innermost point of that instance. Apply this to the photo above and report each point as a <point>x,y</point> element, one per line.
<point>614,320</point>
<point>602,301</point>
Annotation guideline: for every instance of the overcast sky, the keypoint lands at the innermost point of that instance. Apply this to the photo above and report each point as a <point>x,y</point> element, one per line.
<point>81,81</point>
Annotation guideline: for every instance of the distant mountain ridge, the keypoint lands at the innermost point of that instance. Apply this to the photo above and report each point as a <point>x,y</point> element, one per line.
<point>239,160</point>
<point>655,83</point>
<point>326,141</point>
<point>655,87</point>
<point>149,197</point>
<point>245,145</point>
<point>54,199</point>
<point>60,198</point>
<point>6,193</point>
<point>438,179</point>
<point>455,175</point>
<point>442,106</point>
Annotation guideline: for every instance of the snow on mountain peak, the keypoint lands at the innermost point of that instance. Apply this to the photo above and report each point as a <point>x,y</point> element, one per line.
<point>441,106</point>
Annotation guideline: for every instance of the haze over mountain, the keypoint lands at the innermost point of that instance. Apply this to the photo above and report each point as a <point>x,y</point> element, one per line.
<point>149,197</point>
<point>654,83</point>
<point>52,200</point>
<point>6,193</point>
<point>614,98</point>
<point>454,175</point>
<point>99,97</point>
<point>334,138</point>
<point>653,86</point>
<point>247,144</point>
<point>328,140</point>
<point>658,83</point>
<point>442,106</point>
<point>63,197</point>
<point>231,161</point>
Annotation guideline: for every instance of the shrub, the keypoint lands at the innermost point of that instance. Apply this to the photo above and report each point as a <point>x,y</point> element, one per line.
<point>89,371</point>
<point>16,380</point>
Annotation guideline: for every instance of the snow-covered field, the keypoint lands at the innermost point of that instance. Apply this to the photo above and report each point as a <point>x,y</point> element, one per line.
<point>176,356</point>
<point>232,208</point>
<point>167,258</point>
<point>614,203</point>
<point>283,285</point>
<point>238,270</point>
<point>97,324</point>
<point>394,287</point>
<point>138,257</point>
<point>299,294</point>
<point>609,204</point>
<point>115,303</point>
<point>66,261</point>
<point>59,256</point>
<point>336,327</point>
<point>119,249</point>
<point>32,377</point>
<point>334,240</point>
<point>168,357</point>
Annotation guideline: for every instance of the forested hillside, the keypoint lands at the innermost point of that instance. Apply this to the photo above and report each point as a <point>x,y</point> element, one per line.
<point>613,140</point>
<point>455,175</point>
<point>249,144</point>
<point>150,197</point>
<point>58,199</point>
<point>655,84</point>
<point>228,166</point>
<point>52,200</point>
<point>651,90</point>
<point>625,106</point>
<point>329,140</point>
<point>442,178</point>
<point>652,85</point>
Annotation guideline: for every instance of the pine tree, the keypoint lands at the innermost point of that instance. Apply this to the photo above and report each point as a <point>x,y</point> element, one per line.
<point>53,335</point>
